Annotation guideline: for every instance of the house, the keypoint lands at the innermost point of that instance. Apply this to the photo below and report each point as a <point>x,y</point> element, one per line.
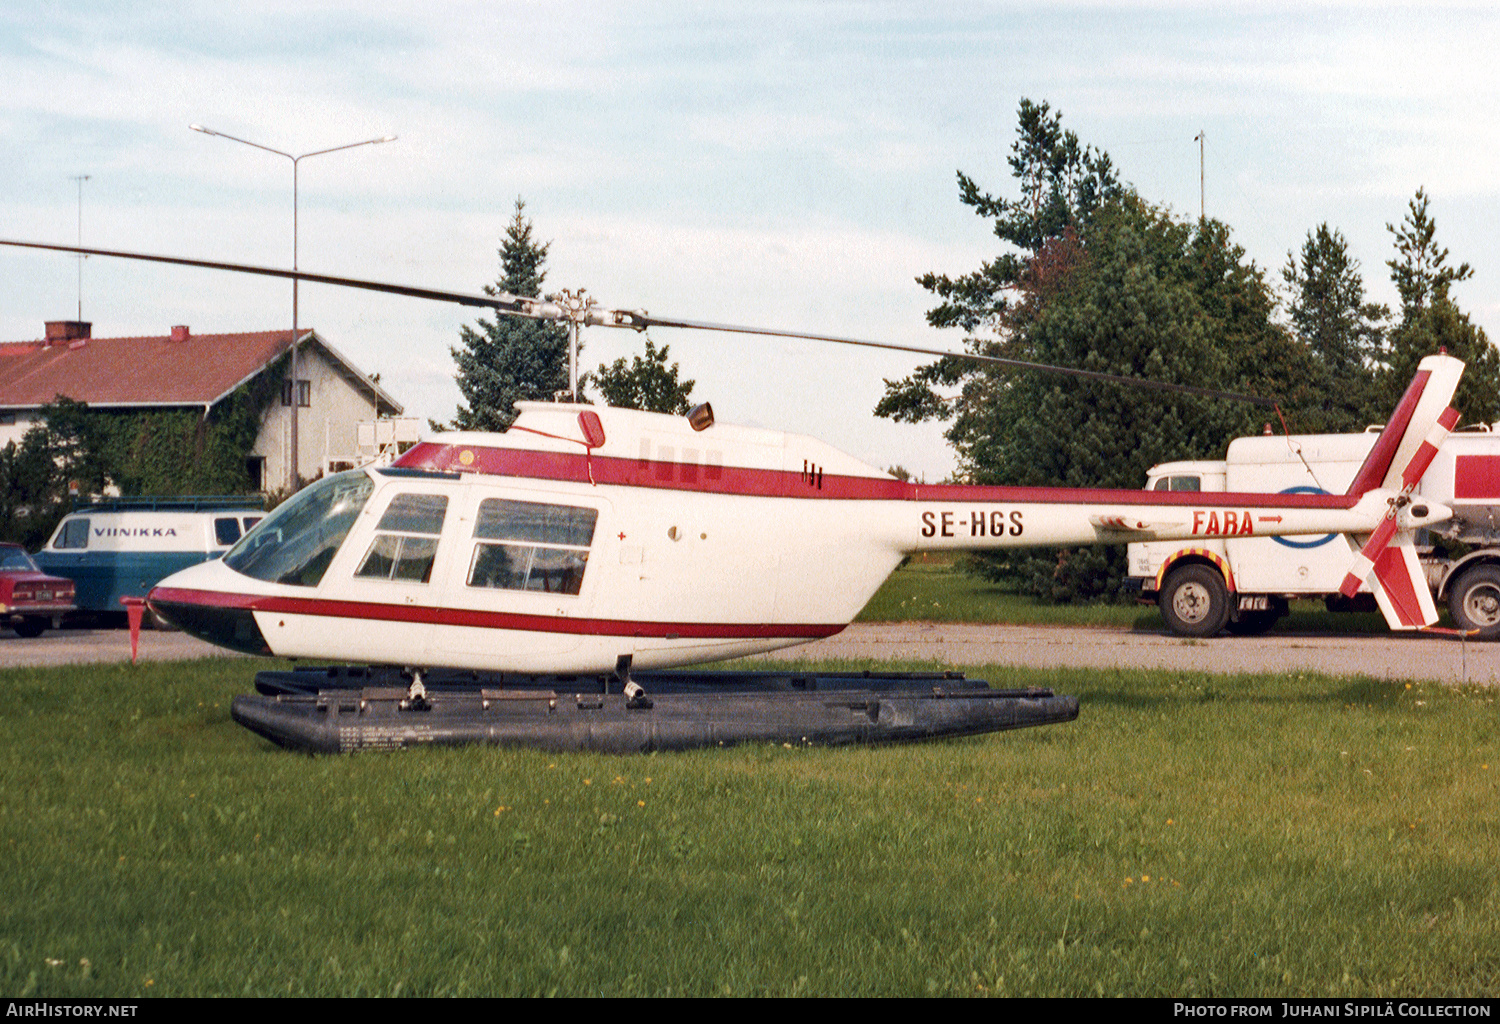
<point>183,370</point>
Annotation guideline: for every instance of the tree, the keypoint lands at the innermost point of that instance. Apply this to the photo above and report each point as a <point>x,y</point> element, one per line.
<point>137,452</point>
<point>511,359</point>
<point>1101,280</point>
<point>1419,271</point>
<point>1063,185</point>
<point>1345,333</point>
<point>645,384</point>
<point>1432,322</point>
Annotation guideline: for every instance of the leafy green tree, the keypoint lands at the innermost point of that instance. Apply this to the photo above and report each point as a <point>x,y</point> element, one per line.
<point>646,383</point>
<point>1345,333</point>
<point>162,451</point>
<point>1153,298</point>
<point>510,359</point>
<point>56,456</point>
<point>1097,279</point>
<point>1063,185</point>
<point>33,493</point>
<point>1432,322</point>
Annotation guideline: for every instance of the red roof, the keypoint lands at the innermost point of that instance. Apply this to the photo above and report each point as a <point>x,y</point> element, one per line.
<point>199,370</point>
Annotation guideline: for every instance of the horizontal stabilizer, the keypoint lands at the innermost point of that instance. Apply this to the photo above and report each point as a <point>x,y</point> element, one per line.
<point>1125,524</point>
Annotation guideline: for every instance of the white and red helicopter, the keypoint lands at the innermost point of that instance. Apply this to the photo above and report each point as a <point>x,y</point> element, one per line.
<point>588,538</point>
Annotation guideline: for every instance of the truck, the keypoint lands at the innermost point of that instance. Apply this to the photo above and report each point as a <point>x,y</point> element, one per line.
<point>1244,583</point>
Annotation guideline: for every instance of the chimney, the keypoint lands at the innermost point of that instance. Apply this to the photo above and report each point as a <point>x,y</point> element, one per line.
<point>60,331</point>
<point>180,332</point>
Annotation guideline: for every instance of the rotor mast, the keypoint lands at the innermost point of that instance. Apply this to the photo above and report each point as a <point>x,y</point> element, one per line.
<point>575,307</point>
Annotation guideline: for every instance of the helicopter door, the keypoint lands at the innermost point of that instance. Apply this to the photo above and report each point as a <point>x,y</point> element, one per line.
<point>522,582</point>
<point>397,570</point>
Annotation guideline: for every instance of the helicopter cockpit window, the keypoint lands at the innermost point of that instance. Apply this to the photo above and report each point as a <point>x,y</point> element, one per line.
<point>406,539</point>
<point>295,543</point>
<point>546,546</point>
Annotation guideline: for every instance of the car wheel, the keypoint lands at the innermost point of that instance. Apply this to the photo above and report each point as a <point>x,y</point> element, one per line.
<point>31,627</point>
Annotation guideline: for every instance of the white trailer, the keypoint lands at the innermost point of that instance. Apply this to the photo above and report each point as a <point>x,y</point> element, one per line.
<point>1244,584</point>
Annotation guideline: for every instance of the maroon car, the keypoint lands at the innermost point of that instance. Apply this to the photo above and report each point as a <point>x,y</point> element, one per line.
<point>30,600</point>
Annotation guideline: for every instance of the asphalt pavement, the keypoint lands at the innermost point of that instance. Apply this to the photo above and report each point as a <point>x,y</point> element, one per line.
<point>83,646</point>
<point>1390,656</point>
<point>1405,656</point>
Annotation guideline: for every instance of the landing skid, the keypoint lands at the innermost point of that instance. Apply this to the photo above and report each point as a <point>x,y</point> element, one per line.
<point>346,708</point>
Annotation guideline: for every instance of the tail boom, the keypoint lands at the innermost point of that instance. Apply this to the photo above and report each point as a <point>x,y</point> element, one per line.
<point>1008,517</point>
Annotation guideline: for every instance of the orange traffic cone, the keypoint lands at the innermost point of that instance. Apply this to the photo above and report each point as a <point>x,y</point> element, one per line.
<point>135,609</point>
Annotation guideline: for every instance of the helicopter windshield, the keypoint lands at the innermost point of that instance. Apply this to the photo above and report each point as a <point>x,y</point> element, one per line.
<point>295,543</point>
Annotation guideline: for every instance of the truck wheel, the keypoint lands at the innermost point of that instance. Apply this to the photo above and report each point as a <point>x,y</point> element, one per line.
<point>1194,601</point>
<point>31,627</point>
<point>1474,601</point>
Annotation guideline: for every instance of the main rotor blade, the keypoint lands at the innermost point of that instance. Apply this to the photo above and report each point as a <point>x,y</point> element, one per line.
<point>540,309</point>
<point>642,321</point>
<point>503,301</point>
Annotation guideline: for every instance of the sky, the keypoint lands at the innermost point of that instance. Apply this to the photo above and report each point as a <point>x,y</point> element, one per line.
<point>779,164</point>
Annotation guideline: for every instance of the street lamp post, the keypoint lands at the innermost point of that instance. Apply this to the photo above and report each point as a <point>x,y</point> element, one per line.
<point>293,475</point>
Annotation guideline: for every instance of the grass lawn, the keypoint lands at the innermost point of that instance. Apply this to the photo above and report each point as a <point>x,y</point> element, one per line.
<point>1188,835</point>
<point>931,588</point>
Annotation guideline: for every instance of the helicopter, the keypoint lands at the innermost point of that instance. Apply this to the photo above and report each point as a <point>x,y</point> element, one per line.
<point>595,540</point>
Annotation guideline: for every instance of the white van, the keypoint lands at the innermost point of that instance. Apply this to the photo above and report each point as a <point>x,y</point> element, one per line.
<point>123,547</point>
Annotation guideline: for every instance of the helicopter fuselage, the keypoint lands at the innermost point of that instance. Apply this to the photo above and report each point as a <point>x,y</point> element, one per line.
<point>585,533</point>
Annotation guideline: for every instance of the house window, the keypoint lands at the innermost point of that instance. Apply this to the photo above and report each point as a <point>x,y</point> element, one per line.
<point>304,393</point>
<point>255,469</point>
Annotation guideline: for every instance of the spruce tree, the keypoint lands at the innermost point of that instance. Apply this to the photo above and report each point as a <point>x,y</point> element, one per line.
<point>1344,332</point>
<point>647,383</point>
<point>511,359</point>
<point>1095,277</point>
<point>1431,322</point>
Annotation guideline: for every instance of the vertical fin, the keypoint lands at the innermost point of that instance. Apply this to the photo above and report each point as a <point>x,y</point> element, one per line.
<point>1412,424</point>
<point>1409,443</point>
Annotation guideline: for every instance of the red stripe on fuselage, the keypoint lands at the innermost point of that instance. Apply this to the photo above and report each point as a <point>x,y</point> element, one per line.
<point>775,483</point>
<point>371,611</point>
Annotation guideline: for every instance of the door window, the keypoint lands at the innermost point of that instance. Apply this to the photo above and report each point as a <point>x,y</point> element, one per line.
<point>406,538</point>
